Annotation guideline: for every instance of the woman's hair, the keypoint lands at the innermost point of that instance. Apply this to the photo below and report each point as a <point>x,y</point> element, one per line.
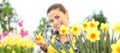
<point>55,6</point>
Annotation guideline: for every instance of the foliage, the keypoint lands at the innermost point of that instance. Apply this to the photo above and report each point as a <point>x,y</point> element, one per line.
<point>42,24</point>
<point>7,16</point>
<point>100,17</point>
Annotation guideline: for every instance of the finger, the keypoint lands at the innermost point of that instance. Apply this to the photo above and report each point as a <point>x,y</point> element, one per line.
<point>35,41</point>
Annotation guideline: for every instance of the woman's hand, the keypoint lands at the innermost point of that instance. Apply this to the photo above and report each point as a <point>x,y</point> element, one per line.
<point>43,45</point>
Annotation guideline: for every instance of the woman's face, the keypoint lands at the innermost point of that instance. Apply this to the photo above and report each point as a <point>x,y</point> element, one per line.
<point>58,18</point>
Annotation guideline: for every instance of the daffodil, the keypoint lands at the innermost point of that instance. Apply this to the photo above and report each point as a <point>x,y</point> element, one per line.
<point>104,27</point>
<point>39,37</point>
<point>71,50</point>
<point>3,43</point>
<point>19,43</point>
<point>85,25</point>
<point>118,41</point>
<point>10,41</point>
<point>76,29</point>
<point>93,35</point>
<point>64,30</point>
<point>93,24</point>
<point>29,44</point>
<point>23,43</point>
<point>51,49</point>
<point>116,47</point>
<point>117,28</point>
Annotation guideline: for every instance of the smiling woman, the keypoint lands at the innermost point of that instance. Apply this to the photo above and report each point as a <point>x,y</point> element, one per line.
<point>58,16</point>
<point>59,19</point>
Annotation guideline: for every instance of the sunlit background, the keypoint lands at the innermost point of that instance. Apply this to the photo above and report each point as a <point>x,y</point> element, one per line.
<point>31,11</point>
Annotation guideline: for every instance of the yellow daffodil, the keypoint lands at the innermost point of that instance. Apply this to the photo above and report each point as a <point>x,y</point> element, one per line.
<point>3,43</point>
<point>116,47</point>
<point>23,43</point>
<point>10,41</point>
<point>75,29</point>
<point>117,28</point>
<point>71,50</point>
<point>29,44</point>
<point>19,43</point>
<point>39,37</point>
<point>104,27</point>
<point>85,25</point>
<point>12,44</point>
<point>93,24</point>
<point>118,41</point>
<point>51,49</point>
<point>93,35</point>
<point>64,30</point>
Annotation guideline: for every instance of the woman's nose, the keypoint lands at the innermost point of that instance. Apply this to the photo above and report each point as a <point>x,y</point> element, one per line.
<point>55,22</point>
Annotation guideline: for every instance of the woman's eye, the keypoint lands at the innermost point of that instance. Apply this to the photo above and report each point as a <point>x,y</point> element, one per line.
<point>51,21</point>
<point>57,17</point>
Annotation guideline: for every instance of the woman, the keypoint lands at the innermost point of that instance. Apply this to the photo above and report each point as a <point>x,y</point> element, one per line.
<point>58,16</point>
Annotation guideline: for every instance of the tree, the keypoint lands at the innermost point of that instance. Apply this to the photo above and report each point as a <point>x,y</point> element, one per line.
<point>99,17</point>
<point>7,16</point>
<point>43,23</point>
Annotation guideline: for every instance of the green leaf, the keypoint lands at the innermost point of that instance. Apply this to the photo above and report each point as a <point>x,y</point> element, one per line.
<point>54,47</point>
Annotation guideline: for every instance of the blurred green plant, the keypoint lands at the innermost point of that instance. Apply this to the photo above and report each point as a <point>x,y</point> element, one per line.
<point>42,24</point>
<point>7,16</point>
<point>100,17</point>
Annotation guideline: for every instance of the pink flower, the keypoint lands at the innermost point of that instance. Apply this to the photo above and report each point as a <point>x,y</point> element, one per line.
<point>23,33</point>
<point>20,23</point>
<point>4,33</point>
<point>1,36</point>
